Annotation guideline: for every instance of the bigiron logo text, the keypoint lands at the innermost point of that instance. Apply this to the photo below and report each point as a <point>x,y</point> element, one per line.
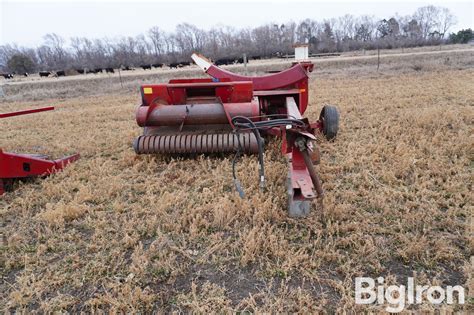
<point>397,297</point>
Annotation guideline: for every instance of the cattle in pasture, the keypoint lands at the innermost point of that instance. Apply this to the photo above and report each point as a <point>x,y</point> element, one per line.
<point>80,71</point>
<point>146,67</point>
<point>184,63</point>
<point>174,65</point>
<point>157,65</point>
<point>95,71</point>
<point>224,61</point>
<point>109,70</point>
<point>25,74</point>
<point>44,74</point>
<point>7,75</point>
<point>60,73</point>
<point>127,68</point>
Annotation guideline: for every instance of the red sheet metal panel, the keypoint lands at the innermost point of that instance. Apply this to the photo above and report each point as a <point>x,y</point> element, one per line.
<point>179,93</point>
<point>294,78</point>
<point>274,81</point>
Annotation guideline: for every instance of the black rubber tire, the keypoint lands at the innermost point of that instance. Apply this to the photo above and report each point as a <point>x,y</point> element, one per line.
<point>330,119</point>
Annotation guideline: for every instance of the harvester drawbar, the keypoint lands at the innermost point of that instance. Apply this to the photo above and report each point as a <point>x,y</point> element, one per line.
<point>17,166</point>
<point>231,113</point>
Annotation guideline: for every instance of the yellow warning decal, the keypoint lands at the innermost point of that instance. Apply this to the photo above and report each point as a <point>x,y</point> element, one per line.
<point>147,90</point>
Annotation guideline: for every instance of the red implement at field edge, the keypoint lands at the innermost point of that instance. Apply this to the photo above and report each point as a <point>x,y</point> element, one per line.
<point>17,166</point>
<point>231,113</point>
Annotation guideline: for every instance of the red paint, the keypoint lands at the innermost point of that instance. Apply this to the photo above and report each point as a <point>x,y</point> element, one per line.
<point>294,78</point>
<point>14,166</point>
<point>213,102</point>
<point>25,112</point>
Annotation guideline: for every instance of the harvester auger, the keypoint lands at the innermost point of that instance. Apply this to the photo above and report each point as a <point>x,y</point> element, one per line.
<point>17,166</point>
<point>230,113</point>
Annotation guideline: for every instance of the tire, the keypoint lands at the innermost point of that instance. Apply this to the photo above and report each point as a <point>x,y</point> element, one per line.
<point>330,120</point>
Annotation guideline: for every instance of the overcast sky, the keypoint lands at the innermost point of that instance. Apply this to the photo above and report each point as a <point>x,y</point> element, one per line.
<point>26,22</point>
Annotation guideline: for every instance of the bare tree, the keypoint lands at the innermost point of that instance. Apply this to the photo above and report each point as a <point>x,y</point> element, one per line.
<point>346,25</point>
<point>364,28</point>
<point>427,19</point>
<point>261,37</point>
<point>445,21</point>
<point>326,37</point>
<point>156,37</point>
<point>57,51</point>
<point>189,38</point>
<point>428,25</point>
<point>306,30</point>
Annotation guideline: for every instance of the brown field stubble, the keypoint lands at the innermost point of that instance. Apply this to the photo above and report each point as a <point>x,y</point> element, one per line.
<point>124,233</point>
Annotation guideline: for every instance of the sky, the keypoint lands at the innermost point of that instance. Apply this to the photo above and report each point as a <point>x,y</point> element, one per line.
<point>25,22</point>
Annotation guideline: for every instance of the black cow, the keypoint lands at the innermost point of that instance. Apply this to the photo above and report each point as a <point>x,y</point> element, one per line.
<point>127,68</point>
<point>157,65</point>
<point>80,71</point>
<point>60,73</point>
<point>224,61</point>
<point>44,73</point>
<point>109,70</point>
<point>95,71</point>
<point>185,63</point>
<point>7,75</point>
<point>256,57</point>
<point>145,67</point>
<point>25,74</point>
<point>240,60</point>
<point>174,65</point>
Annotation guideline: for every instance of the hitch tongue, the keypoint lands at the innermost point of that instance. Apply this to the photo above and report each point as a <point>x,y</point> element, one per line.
<point>303,146</point>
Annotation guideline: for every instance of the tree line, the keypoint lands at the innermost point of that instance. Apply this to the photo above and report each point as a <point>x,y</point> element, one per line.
<point>428,25</point>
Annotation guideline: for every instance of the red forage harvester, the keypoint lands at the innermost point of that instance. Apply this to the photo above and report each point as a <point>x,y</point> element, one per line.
<point>231,113</point>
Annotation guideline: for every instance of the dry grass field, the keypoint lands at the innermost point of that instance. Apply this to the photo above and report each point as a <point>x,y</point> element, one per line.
<point>125,233</point>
